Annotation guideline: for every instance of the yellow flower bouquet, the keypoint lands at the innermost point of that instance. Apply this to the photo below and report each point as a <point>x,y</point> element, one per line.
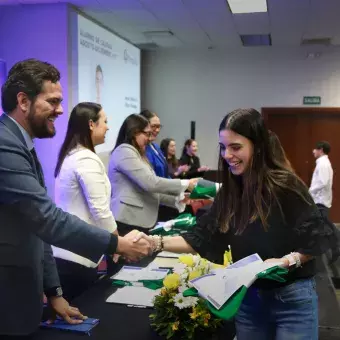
<point>180,317</point>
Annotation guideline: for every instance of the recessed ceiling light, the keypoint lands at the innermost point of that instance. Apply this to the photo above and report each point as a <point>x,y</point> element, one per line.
<point>256,39</point>
<point>247,6</point>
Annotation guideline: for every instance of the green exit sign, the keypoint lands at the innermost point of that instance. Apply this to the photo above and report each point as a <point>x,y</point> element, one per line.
<point>312,100</point>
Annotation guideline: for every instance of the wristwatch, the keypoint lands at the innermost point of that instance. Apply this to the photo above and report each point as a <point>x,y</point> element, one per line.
<point>54,292</point>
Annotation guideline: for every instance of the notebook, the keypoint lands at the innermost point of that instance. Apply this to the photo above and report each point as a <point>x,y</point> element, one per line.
<point>84,328</point>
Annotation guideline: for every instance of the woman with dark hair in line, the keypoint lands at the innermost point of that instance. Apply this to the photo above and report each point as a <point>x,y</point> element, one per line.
<point>168,147</point>
<point>152,151</point>
<point>82,188</point>
<point>138,191</point>
<point>264,208</point>
<point>189,157</point>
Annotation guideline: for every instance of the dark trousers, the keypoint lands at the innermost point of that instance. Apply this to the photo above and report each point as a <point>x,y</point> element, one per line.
<point>324,210</point>
<point>75,278</point>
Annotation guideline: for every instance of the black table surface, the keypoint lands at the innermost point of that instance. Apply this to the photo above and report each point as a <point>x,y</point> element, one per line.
<point>116,321</point>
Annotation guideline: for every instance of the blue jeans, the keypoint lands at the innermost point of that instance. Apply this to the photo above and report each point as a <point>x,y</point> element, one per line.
<point>287,313</point>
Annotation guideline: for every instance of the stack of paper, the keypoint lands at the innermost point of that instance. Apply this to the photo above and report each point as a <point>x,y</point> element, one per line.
<point>133,274</point>
<point>134,296</point>
<point>169,254</point>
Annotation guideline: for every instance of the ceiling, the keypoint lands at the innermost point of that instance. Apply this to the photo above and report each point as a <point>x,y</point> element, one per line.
<point>209,23</point>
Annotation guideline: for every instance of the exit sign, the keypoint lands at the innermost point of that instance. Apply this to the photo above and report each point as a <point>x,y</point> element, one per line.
<point>312,100</point>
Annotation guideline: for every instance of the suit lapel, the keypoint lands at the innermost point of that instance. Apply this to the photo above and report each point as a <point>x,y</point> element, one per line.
<point>16,131</point>
<point>12,127</point>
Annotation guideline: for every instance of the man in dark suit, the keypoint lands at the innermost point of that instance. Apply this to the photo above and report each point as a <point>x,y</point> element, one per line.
<point>29,220</point>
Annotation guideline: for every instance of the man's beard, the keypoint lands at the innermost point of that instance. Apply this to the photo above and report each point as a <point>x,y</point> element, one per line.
<point>39,126</point>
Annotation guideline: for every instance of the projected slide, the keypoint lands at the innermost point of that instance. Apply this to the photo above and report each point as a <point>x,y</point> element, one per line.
<point>108,72</point>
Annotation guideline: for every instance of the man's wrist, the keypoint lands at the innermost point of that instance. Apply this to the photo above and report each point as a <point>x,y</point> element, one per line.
<point>121,245</point>
<point>54,292</point>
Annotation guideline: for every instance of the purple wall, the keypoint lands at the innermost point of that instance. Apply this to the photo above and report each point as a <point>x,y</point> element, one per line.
<point>39,31</point>
<point>2,78</point>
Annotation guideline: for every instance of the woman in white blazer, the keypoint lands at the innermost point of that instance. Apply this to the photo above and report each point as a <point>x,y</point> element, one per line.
<point>82,188</point>
<point>136,190</point>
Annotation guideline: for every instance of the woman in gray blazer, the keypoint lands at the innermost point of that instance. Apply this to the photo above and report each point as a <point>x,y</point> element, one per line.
<point>136,190</point>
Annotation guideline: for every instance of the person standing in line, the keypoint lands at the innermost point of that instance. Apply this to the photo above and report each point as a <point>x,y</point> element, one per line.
<point>82,188</point>
<point>152,151</point>
<point>322,180</point>
<point>168,147</point>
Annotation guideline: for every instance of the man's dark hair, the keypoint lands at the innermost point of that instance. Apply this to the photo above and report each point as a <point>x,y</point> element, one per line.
<point>26,76</point>
<point>324,146</point>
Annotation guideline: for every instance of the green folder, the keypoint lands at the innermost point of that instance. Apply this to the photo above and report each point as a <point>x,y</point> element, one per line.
<point>203,192</point>
<point>231,307</point>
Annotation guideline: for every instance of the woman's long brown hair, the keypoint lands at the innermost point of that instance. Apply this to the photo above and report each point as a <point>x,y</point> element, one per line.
<point>244,199</point>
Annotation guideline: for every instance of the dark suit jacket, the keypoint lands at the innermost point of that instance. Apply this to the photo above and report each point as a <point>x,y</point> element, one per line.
<point>28,219</point>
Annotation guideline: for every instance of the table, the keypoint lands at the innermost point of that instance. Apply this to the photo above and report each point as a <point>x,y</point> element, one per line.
<point>116,321</point>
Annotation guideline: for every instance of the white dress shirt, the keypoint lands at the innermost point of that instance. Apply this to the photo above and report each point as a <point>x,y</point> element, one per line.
<point>322,181</point>
<point>82,188</point>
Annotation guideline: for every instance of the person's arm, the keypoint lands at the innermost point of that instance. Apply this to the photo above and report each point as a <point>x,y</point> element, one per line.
<point>204,239</point>
<point>128,161</point>
<point>91,177</point>
<point>25,202</point>
<point>51,277</point>
<point>53,291</point>
<point>173,201</point>
<point>312,235</point>
<point>323,178</point>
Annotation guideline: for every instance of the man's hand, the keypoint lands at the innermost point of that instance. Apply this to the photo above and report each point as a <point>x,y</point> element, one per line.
<point>133,251</point>
<point>60,307</point>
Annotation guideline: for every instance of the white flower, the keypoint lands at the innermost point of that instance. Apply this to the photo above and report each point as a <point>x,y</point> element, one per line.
<point>197,260</point>
<point>184,276</point>
<point>182,302</point>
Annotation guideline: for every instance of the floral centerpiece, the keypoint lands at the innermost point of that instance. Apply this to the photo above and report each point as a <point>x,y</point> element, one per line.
<point>182,317</point>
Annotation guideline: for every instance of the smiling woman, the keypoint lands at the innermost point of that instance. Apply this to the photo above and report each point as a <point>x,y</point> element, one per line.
<point>264,208</point>
<point>83,189</point>
<point>137,190</point>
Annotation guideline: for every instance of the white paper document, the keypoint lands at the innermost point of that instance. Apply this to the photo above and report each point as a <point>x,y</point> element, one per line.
<point>135,296</point>
<point>133,274</point>
<point>164,262</point>
<point>219,286</point>
<point>169,254</point>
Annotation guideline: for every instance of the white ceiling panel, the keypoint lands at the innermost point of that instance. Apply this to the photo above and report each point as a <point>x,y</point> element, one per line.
<point>324,18</point>
<point>140,18</point>
<point>288,21</point>
<point>216,20</point>
<point>253,23</point>
<point>109,20</point>
<point>121,5</point>
<point>84,3</point>
<point>175,16</point>
<point>203,23</point>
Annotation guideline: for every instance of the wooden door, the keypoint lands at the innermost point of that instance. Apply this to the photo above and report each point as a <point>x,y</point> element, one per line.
<point>299,129</point>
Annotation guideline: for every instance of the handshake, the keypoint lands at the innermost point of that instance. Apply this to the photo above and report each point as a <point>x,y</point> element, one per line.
<point>135,245</point>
